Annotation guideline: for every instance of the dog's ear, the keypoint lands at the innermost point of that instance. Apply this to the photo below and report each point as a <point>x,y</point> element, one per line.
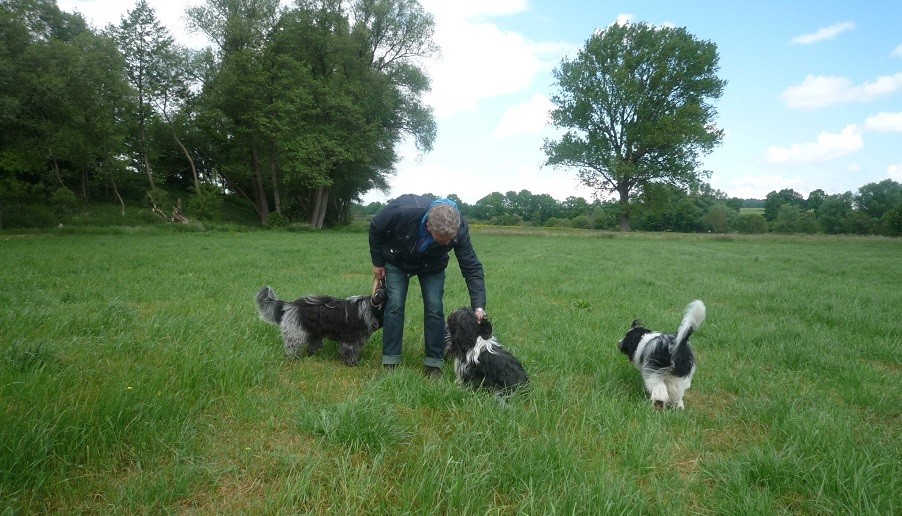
<point>636,323</point>
<point>485,328</point>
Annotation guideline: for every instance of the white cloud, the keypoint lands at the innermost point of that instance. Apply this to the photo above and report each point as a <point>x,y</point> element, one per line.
<point>474,9</point>
<point>823,34</point>
<point>884,122</point>
<point>897,52</point>
<point>827,147</point>
<point>819,91</point>
<point>756,186</point>
<point>100,13</point>
<point>480,61</point>
<point>894,172</point>
<point>529,117</point>
<point>624,19</point>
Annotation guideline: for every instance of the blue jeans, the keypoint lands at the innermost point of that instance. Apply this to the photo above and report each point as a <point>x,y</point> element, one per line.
<point>432,287</point>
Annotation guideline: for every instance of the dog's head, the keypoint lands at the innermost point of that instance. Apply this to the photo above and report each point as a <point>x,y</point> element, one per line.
<point>377,300</point>
<point>462,330</point>
<point>630,341</point>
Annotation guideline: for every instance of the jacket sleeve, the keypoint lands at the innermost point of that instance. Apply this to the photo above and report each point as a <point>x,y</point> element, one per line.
<point>471,269</point>
<point>379,228</point>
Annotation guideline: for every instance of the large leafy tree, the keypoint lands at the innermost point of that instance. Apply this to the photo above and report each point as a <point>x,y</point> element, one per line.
<point>238,90</point>
<point>775,200</point>
<point>635,105</point>
<point>875,199</point>
<point>147,47</point>
<point>61,97</point>
<point>315,98</point>
<point>163,75</point>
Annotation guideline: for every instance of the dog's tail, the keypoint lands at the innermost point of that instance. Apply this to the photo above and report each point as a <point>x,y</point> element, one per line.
<point>269,306</point>
<point>695,316</point>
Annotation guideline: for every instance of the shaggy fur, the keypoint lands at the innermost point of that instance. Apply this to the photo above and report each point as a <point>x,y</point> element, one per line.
<point>479,360</point>
<point>666,361</point>
<point>309,320</point>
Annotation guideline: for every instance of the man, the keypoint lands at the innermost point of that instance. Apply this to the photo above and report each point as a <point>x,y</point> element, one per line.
<point>412,236</point>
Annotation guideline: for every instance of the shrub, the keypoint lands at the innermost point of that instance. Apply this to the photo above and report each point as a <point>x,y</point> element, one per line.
<point>63,201</point>
<point>206,203</point>
<point>891,223</point>
<point>555,222</point>
<point>750,224</point>
<point>277,220</point>
<point>581,222</point>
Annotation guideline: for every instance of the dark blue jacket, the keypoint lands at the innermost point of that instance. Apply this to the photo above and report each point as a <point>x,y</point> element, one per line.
<point>393,239</point>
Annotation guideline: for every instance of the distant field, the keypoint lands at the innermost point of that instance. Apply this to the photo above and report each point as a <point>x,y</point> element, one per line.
<point>137,378</point>
<point>753,211</point>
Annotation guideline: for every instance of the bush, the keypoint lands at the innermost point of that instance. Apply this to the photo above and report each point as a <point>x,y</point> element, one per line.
<point>63,201</point>
<point>581,222</point>
<point>555,222</point>
<point>750,224</point>
<point>206,203</point>
<point>277,220</point>
<point>891,223</point>
<point>507,220</point>
<point>31,216</point>
<point>792,219</point>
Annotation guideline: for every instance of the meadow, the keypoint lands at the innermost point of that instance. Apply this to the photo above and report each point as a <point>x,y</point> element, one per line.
<point>136,377</point>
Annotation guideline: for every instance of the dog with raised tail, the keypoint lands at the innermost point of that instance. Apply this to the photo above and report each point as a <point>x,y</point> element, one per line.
<point>666,361</point>
<point>306,321</point>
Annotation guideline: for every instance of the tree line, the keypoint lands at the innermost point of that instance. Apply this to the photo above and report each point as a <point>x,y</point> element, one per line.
<point>297,110</point>
<point>875,208</point>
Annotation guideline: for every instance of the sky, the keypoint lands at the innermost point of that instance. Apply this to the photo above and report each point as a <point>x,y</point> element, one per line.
<point>813,97</point>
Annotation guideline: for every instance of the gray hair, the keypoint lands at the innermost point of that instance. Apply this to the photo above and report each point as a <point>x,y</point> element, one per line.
<point>444,220</point>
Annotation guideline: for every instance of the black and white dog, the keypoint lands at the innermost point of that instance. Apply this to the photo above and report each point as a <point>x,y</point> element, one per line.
<point>309,320</point>
<point>479,360</point>
<point>666,361</point>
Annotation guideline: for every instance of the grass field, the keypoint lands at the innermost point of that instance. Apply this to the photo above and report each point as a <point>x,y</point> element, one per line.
<point>137,378</point>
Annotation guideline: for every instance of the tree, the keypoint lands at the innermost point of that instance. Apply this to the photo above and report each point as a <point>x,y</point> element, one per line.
<point>635,104</point>
<point>775,200</point>
<point>875,199</point>
<point>61,97</point>
<point>815,199</point>
<point>834,212</point>
<point>719,218</point>
<point>238,90</point>
<point>144,42</point>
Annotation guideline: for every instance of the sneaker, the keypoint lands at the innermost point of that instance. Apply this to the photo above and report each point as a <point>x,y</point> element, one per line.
<point>433,373</point>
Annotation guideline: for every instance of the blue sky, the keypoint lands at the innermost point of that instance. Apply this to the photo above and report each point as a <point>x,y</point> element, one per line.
<point>813,97</point>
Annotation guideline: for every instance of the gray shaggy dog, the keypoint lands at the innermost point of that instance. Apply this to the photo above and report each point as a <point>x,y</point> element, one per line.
<point>308,320</point>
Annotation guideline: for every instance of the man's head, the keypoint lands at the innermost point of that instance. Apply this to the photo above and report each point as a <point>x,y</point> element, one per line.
<point>443,222</point>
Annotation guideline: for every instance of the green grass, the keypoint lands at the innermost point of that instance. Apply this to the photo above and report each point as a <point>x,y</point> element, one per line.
<point>135,376</point>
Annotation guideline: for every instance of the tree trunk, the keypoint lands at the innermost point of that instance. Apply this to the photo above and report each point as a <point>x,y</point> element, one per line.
<point>273,167</point>
<point>624,211</point>
<point>190,160</point>
<point>118,197</point>
<point>146,159</point>
<point>56,169</point>
<point>321,198</point>
<point>260,191</point>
